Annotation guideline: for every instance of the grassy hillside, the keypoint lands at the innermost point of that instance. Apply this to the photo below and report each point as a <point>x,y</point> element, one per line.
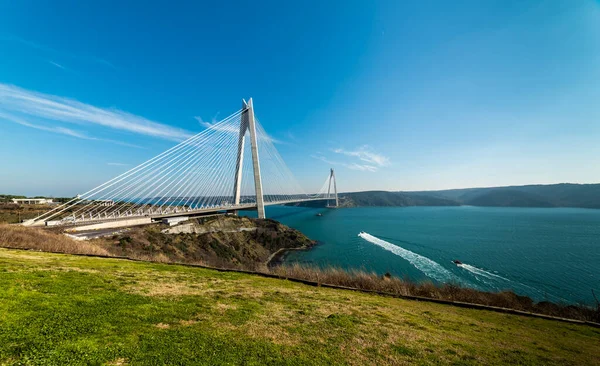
<point>236,245</point>
<point>61,309</point>
<point>223,241</point>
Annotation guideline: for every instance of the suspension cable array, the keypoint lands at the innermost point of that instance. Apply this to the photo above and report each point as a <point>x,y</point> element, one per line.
<point>200,174</point>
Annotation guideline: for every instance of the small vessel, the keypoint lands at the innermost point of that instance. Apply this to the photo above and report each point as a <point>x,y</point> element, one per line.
<point>319,214</point>
<point>457,262</point>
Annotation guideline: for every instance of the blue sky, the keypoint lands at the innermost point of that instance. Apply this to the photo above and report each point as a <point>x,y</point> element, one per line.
<point>394,95</point>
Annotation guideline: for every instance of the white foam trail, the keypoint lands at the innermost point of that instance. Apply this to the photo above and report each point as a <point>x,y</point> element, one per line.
<point>490,276</point>
<point>427,266</point>
<point>481,272</point>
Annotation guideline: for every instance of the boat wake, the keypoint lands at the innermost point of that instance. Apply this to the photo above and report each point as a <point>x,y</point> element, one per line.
<point>498,282</point>
<point>435,271</point>
<point>430,268</point>
<point>480,272</point>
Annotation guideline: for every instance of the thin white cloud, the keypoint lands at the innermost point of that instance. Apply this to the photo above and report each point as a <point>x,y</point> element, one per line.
<point>366,154</point>
<point>235,129</point>
<point>104,62</point>
<point>56,129</point>
<point>361,167</point>
<point>215,126</point>
<point>368,160</point>
<point>25,103</point>
<point>263,135</point>
<point>325,160</point>
<point>60,130</point>
<point>269,138</point>
<point>212,121</point>
<point>46,49</point>
<point>57,65</point>
<point>353,166</point>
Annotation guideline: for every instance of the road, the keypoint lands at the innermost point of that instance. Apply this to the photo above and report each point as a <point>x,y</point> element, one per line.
<point>94,234</point>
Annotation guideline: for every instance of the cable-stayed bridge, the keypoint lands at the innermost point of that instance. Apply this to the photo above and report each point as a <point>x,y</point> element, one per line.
<point>232,165</point>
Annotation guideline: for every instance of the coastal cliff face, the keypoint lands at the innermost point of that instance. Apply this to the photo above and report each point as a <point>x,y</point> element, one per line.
<point>224,241</point>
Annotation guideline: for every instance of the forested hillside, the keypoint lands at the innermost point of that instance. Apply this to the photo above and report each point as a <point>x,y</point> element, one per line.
<point>554,195</point>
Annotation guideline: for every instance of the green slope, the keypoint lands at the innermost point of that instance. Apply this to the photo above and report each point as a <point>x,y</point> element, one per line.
<point>61,309</point>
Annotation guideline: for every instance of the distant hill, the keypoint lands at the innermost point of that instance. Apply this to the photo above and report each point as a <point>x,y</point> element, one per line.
<point>507,198</point>
<point>384,198</point>
<point>552,195</point>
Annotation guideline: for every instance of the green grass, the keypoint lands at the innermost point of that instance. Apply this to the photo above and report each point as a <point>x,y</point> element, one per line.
<point>62,309</point>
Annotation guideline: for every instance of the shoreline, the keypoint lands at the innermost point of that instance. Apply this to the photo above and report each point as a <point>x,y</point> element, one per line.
<point>278,258</point>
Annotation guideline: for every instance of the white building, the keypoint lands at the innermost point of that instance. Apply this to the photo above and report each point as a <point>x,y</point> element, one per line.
<point>171,221</point>
<point>104,202</point>
<point>32,201</point>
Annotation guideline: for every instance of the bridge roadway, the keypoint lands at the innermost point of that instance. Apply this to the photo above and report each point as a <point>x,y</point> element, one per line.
<point>174,213</point>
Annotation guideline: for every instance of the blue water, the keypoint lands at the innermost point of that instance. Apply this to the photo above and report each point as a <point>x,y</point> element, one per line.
<point>545,253</point>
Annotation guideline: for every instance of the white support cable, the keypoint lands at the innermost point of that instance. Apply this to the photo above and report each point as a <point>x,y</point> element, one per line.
<point>220,132</point>
<point>170,175</point>
<point>138,194</point>
<point>133,190</point>
<point>276,184</point>
<point>283,179</point>
<point>202,187</point>
<point>65,206</point>
<point>200,182</point>
<point>272,186</point>
<point>139,200</point>
<point>279,160</point>
<point>173,192</point>
<point>224,173</point>
<point>146,197</point>
<point>138,168</point>
<point>98,187</point>
<point>196,173</point>
<point>186,178</point>
<point>87,195</point>
<point>117,191</point>
<point>197,186</point>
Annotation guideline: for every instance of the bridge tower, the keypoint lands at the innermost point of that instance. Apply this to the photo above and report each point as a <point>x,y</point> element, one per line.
<point>332,178</point>
<point>248,124</point>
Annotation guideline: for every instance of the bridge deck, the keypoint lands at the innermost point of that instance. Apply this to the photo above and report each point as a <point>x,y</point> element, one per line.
<point>166,212</point>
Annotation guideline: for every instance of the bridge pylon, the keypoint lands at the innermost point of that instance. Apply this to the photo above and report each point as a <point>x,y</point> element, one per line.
<point>193,178</point>
<point>248,123</point>
<point>332,178</point>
